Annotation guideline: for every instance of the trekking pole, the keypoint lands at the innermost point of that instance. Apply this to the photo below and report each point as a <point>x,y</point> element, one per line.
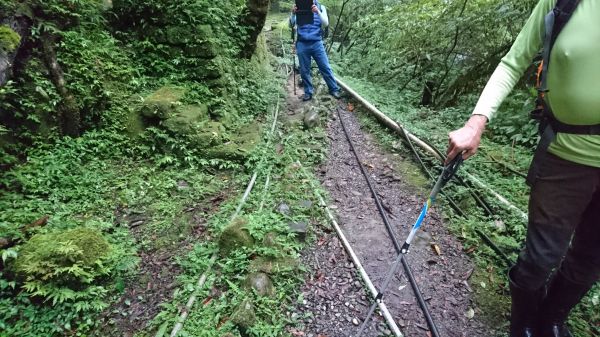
<point>447,174</point>
<point>294,70</point>
<point>293,53</point>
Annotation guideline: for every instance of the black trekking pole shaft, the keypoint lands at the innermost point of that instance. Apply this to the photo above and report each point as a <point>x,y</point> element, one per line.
<point>294,58</point>
<point>390,231</point>
<point>447,174</point>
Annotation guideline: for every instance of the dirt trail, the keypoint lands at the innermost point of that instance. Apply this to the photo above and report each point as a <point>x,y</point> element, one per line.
<point>334,300</point>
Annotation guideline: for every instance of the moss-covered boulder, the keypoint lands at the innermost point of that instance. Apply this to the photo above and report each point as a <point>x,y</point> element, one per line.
<point>65,258</point>
<point>186,119</point>
<point>240,146</point>
<point>209,69</point>
<point>261,283</point>
<point>207,135</point>
<point>162,103</point>
<point>244,315</point>
<point>234,236</point>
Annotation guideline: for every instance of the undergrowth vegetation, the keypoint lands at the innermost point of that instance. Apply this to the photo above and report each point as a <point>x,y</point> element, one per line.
<point>89,184</point>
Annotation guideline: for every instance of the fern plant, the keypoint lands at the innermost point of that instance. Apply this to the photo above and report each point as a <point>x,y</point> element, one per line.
<point>65,265</point>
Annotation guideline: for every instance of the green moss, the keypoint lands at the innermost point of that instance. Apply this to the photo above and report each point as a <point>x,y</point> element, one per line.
<point>64,257</point>
<point>492,305</point>
<point>210,134</point>
<point>134,124</point>
<point>274,265</point>
<point>235,235</point>
<point>162,103</point>
<point>412,173</point>
<point>9,39</point>
<point>240,146</point>
<point>185,120</point>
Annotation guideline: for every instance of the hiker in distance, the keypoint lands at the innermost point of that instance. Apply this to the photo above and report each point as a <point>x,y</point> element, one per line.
<point>309,44</point>
<point>561,258</point>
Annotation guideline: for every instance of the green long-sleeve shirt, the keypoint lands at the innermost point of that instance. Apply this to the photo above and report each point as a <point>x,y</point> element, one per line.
<point>573,77</point>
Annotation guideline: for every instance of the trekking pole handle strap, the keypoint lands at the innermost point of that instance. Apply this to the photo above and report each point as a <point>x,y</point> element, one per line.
<point>447,173</point>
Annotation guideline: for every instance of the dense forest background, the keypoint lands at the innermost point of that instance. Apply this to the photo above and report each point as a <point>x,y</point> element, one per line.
<point>116,112</point>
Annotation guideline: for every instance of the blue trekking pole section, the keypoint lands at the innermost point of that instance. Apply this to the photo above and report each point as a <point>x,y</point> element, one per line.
<point>447,174</point>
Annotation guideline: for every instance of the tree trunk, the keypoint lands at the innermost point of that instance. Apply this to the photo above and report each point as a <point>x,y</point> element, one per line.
<point>21,25</point>
<point>253,17</point>
<point>69,115</point>
<point>426,98</point>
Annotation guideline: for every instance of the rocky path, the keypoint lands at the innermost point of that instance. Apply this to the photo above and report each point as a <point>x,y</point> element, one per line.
<point>334,300</point>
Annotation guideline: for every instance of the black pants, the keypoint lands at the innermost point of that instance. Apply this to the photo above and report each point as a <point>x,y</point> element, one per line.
<point>564,225</point>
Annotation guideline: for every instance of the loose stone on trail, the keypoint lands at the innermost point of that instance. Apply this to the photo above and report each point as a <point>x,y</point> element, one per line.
<point>261,283</point>
<point>311,118</point>
<point>300,228</point>
<point>244,315</point>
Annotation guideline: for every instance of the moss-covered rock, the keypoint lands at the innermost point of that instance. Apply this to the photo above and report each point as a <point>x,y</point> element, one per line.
<point>311,118</point>
<point>204,50</point>
<point>261,283</point>
<point>209,134</point>
<point>209,69</point>
<point>270,241</point>
<point>162,103</point>
<point>244,315</point>
<point>179,35</point>
<point>274,265</point>
<point>9,39</point>
<point>135,124</point>
<point>185,120</point>
<point>68,257</point>
<point>240,145</point>
<point>234,236</point>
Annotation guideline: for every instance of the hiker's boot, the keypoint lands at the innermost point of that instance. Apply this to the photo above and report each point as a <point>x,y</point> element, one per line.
<point>306,97</point>
<point>562,296</point>
<point>524,309</point>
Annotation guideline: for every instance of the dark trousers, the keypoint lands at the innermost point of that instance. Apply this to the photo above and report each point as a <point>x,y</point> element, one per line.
<point>564,225</point>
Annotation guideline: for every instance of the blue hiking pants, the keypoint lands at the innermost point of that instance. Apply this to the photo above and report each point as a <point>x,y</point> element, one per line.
<point>316,50</point>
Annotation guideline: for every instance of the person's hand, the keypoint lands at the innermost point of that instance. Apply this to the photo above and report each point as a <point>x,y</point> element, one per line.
<point>294,49</point>
<point>466,139</point>
<point>315,9</point>
<point>294,9</point>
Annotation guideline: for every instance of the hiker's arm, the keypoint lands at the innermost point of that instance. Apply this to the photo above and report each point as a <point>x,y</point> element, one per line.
<point>515,62</point>
<point>323,16</point>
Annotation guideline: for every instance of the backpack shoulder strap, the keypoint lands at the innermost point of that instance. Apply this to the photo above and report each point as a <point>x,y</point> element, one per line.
<point>554,22</point>
<point>562,13</point>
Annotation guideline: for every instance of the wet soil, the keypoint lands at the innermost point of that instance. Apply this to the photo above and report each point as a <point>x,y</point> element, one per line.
<point>335,301</point>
